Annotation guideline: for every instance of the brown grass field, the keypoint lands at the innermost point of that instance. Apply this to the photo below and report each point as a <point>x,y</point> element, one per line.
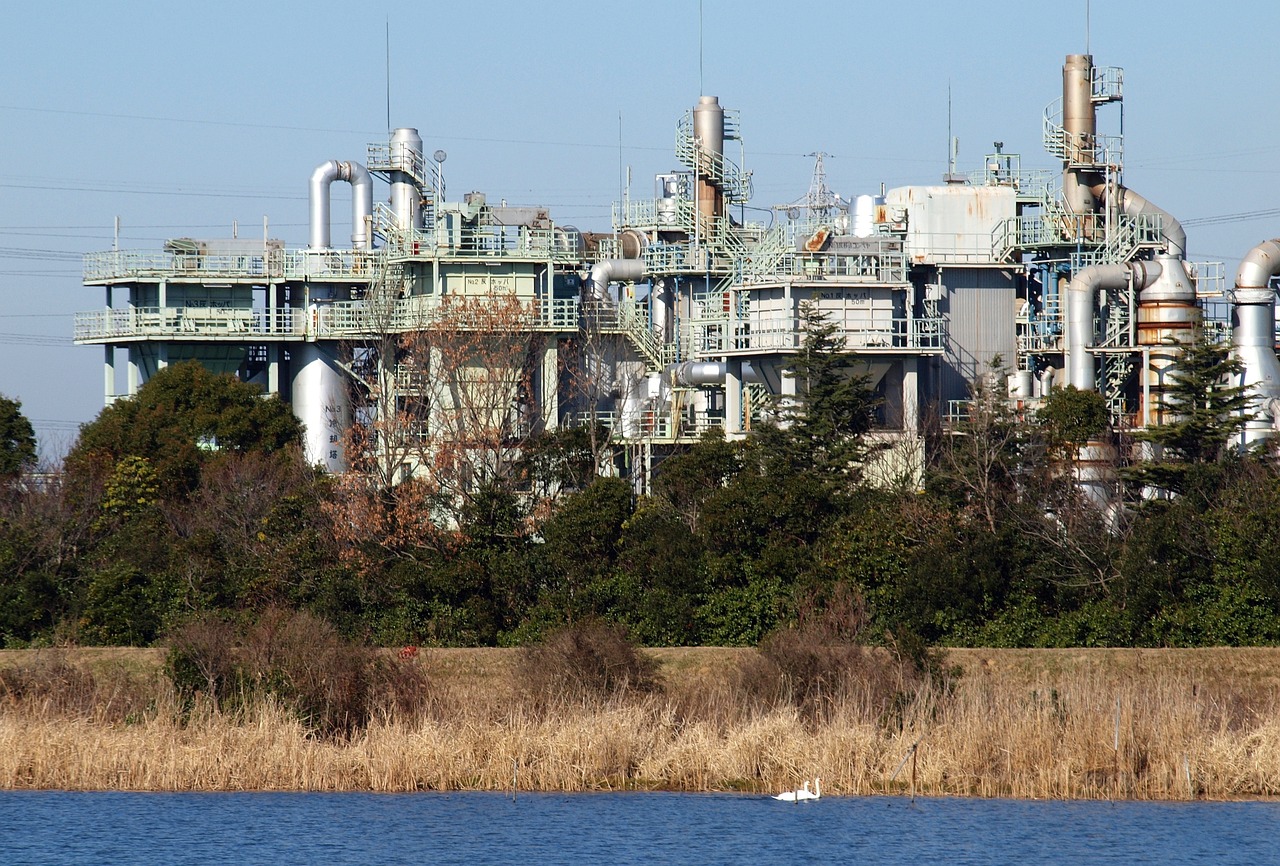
<point>1115,724</point>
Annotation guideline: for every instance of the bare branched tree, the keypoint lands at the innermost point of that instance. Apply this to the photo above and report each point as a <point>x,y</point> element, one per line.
<point>447,403</point>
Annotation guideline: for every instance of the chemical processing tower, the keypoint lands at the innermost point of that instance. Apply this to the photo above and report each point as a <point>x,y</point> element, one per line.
<point>687,315</point>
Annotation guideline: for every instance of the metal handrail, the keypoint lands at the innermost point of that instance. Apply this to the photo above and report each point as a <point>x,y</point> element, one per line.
<point>1092,150</point>
<point>143,264</point>
<point>187,323</point>
<point>733,181</point>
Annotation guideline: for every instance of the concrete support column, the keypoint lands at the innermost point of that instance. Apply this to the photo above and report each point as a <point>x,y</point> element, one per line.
<point>733,400</point>
<point>549,386</point>
<point>911,394</point>
<point>134,373</point>
<point>109,374</point>
<point>273,368</point>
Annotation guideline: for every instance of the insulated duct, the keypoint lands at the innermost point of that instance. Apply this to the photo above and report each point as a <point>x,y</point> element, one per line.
<point>605,272</point>
<point>1082,297</point>
<point>1134,205</point>
<point>697,374</point>
<point>692,374</point>
<point>1253,323</point>
<point>361,202</point>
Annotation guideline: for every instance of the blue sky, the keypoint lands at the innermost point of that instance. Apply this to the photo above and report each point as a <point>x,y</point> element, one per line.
<point>182,118</point>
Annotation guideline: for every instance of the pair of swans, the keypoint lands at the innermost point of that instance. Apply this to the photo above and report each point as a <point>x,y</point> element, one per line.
<point>803,794</point>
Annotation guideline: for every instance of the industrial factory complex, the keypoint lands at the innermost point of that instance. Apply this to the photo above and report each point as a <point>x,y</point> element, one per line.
<point>686,316</point>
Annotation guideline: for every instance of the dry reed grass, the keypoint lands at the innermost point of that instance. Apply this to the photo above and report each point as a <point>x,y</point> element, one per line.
<point>1153,731</point>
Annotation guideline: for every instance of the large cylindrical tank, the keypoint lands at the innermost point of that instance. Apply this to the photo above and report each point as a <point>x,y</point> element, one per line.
<point>321,403</point>
<point>1097,476</point>
<point>1168,319</point>
<point>864,214</point>
<point>406,197</point>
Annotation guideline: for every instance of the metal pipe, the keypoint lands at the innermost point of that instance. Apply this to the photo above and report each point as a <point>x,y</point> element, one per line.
<point>697,373</point>
<point>661,306</point>
<point>361,202</point>
<point>1253,323</point>
<point>1136,205</point>
<point>606,271</point>
<point>1081,300</point>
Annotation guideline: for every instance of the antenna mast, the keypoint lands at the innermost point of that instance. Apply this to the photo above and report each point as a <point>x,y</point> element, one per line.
<point>388,75</point>
<point>701,88</point>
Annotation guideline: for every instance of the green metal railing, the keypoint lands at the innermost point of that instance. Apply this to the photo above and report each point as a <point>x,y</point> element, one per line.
<point>652,425</point>
<point>732,181</point>
<point>187,323</point>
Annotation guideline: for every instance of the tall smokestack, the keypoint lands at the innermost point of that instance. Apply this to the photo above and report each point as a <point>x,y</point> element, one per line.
<point>708,126</point>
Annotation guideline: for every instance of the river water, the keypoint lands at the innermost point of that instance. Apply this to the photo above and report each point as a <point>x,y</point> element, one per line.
<point>106,829</point>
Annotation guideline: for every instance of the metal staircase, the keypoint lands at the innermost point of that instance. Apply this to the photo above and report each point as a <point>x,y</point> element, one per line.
<point>1107,85</point>
<point>731,180</point>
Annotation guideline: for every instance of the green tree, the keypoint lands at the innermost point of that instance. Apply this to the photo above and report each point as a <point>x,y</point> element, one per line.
<point>834,407</point>
<point>581,544</point>
<point>687,479</point>
<point>977,463</point>
<point>182,417</point>
<point>1073,417</point>
<point>17,439</point>
<point>1204,413</point>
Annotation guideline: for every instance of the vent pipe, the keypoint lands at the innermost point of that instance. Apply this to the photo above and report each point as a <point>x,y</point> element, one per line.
<point>361,202</point>
<point>1253,326</point>
<point>1082,297</point>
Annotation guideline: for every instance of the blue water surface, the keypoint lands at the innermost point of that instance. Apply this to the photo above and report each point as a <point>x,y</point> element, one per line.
<point>105,829</point>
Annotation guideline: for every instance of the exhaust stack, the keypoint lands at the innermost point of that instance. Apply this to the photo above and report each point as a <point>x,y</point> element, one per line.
<point>708,128</point>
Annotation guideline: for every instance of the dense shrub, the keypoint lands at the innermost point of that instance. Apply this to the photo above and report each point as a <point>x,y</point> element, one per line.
<point>50,684</point>
<point>822,665</point>
<point>587,661</point>
<point>335,687</point>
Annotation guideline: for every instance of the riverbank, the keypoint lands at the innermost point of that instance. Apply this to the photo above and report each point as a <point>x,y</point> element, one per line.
<point>1114,724</point>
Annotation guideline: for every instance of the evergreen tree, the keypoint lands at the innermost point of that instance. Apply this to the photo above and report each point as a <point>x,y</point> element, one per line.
<point>1205,413</point>
<point>834,407</point>
<point>179,419</point>
<point>17,439</point>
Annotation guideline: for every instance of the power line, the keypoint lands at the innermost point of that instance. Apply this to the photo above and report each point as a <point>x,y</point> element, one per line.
<point>1243,216</point>
<point>34,340</point>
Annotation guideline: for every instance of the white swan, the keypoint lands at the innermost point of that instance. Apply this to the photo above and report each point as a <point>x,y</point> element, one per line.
<point>803,793</point>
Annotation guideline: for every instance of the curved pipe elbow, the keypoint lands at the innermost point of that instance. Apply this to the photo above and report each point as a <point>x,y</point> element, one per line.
<point>608,270</point>
<point>1082,296</point>
<point>1257,268</point>
<point>322,179</point>
<point>361,203</point>
<point>1135,205</point>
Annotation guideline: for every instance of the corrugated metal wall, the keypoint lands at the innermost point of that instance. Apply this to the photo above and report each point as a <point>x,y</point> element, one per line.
<point>979,305</point>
